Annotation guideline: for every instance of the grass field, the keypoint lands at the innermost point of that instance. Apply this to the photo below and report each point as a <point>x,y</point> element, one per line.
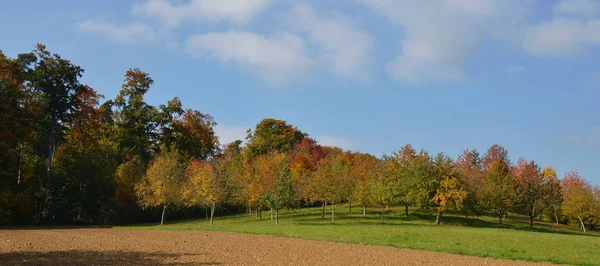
<point>482,237</point>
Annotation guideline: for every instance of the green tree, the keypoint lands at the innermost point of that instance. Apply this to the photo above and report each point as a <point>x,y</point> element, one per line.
<point>273,135</point>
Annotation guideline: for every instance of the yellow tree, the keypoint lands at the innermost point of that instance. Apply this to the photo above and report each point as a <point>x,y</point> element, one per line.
<point>363,169</point>
<point>450,192</point>
<point>161,186</point>
<point>203,186</point>
<point>578,198</point>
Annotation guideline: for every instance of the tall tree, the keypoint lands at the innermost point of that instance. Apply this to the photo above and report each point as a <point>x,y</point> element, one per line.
<point>194,134</point>
<point>161,186</point>
<point>273,135</point>
<point>530,187</point>
<point>136,120</point>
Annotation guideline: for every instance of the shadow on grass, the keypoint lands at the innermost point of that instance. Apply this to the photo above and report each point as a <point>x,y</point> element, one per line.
<point>48,227</point>
<point>95,258</point>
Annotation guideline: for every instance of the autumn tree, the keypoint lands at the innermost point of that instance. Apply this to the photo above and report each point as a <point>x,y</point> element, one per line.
<point>553,196</point>
<point>578,198</point>
<point>161,185</point>
<point>468,167</point>
<point>530,187</point>
<point>384,187</point>
<point>194,135</point>
<point>451,192</point>
<point>498,189</point>
<point>203,185</point>
<point>364,168</point>
<point>304,159</point>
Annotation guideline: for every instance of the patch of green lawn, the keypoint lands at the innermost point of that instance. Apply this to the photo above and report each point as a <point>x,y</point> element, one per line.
<point>482,237</point>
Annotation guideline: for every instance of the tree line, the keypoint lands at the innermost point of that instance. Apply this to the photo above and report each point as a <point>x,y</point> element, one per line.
<point>67,155</point>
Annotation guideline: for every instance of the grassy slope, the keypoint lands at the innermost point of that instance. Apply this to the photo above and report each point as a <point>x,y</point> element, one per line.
<point>546,242</point>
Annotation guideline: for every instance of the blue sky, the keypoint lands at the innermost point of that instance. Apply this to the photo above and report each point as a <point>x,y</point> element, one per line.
<point>367,75</point>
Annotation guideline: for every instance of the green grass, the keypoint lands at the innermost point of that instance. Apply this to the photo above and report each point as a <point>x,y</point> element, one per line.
<point>482,237</point>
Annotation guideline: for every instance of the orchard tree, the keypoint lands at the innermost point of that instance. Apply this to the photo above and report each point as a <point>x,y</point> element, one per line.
<point>469,169</point>
<point>282,196</point>
<point>304,159</point>
<point>578,198</point>
<point>202,186</point>
<point>498,191</point>
<point>384,187</point>
<point>530,187</point>
<point>364,168</point>
<point>332,179</point>
<point>553,196</point>
<point>450,192</point>
<point>162,184</point>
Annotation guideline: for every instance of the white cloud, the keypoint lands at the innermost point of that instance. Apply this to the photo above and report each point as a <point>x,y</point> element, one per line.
<point>583,8</point>
<point>228,134</point>
<point>515,69</point>
<point>276,59</point>
<point>561,37</point>
<point>236,11</point>
<point>343,47</point>
<point>130,33</point>
<point>334,141</point>
<point>440,35</point>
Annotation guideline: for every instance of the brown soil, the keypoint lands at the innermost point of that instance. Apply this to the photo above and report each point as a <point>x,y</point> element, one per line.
<point>140,247</point>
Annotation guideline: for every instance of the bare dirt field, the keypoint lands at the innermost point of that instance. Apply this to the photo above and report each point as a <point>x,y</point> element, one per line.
<point>141,247</point>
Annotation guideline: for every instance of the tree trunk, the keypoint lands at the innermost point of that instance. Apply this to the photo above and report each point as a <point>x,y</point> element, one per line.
<point>500,220</point>
<point>323,212</point>
<point>382,211</point>
<point>212,212</point>
<point>206,213</point>
<point>162,217</point>
<point>406,210</point>
<point>531,215</point>
<point>277,216</point>
<point>271,214</point>
<point>309,209</point>
<point>332,212</point>
<point>51,141</point>
<point>256,211</point>
<point>555,214</point>
<point>582,225</point>
<point>438,219</point>
<point>20,164</point>
<point>364,211</point>
<point>260,213</point>
<point>350,206</point>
